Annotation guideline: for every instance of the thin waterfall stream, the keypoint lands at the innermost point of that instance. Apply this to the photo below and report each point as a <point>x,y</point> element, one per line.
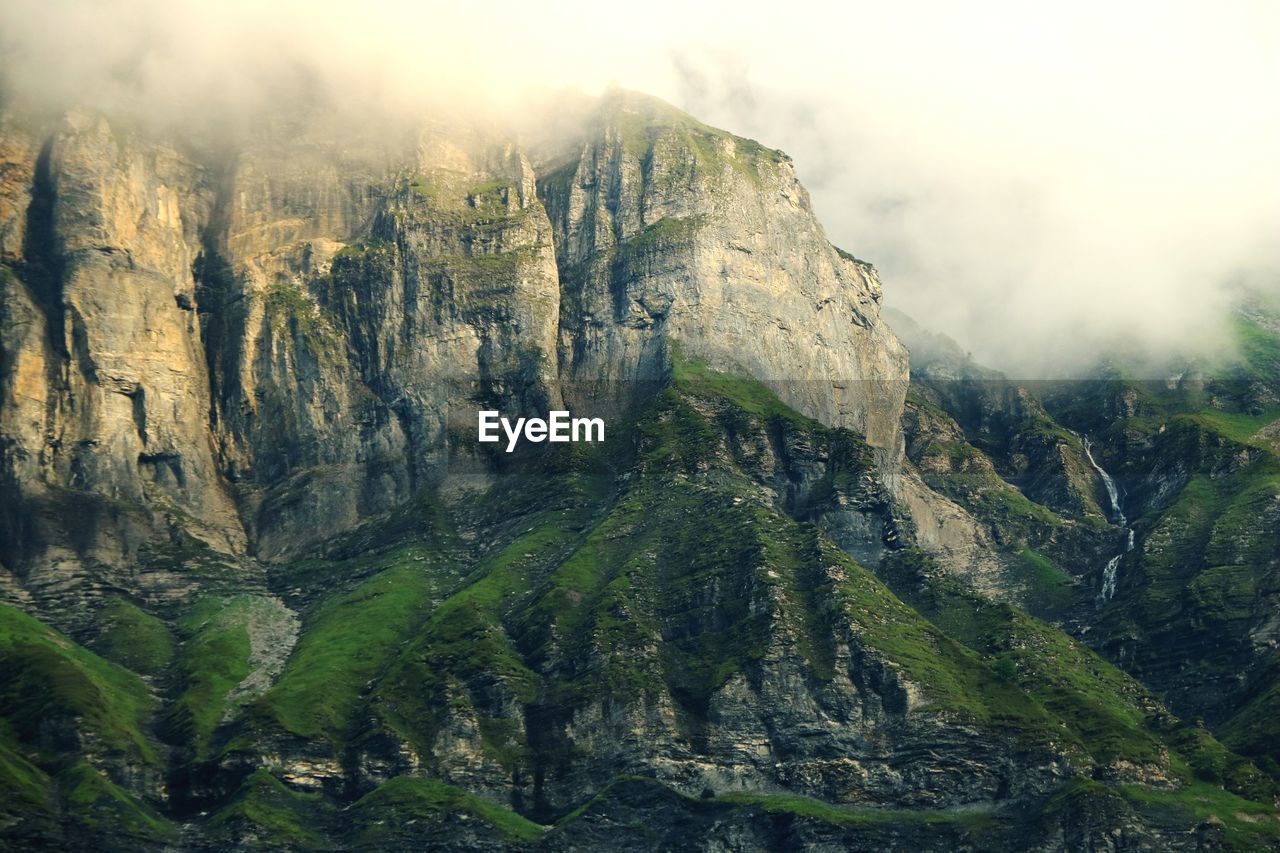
<point>1118,516</point>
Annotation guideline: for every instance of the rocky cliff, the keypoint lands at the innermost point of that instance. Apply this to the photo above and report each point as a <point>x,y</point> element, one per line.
<point>262,339</point>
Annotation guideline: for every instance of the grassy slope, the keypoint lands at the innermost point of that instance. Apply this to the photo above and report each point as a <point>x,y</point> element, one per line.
<point>350,637</point>
<point>214,659</point>
<point>264,807</point>
<point>49,679</point>
<point>1110,714</point>
<point>463,651</point>
<point>605,593</point>
<point>378,815</point>
<point>598,596</point>
<point>133,638</point>
<point>51,687</point>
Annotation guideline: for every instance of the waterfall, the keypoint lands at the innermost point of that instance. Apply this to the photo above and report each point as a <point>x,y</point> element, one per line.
<point>1113,493</point>
<point>1109,579</point>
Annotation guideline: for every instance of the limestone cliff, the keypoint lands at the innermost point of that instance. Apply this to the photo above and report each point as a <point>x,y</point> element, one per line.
<point>105,387</point>
<point>259,344</point>
<point>668,228</point>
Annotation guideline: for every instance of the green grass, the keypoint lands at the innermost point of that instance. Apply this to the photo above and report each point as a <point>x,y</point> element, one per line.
<point>693,378</point>
<point>48,680</point>
<point>1101,707</point>
<point>849,256</point>
<point>105,809</point>
<point>427,187</point>
<point>973,820</point>
<point>1238,426</point>
<point>401,801</point>
<point>289,309</point>
<point>24,787</point>
<point>442,196</point>
<point>1107,712</point>
<point>1249,825</point>
<point>665,232</point>
<point>133,638</point>
<point>1223,593</point>
<point>214,659</point>
<point>647,126</point>
<point>1259,347</point>
<point>979,821</point>
<point>577,586</point>
<point>969,477</point>
<point>263,808</point>
<point>667,539</point>
<point>1216,526</point>
<point>464,652</point>
<point>350,639</point>
<point>50,687</point>
<point>711,538</point>
<point>1048,589</point>
<point>1254,729</point>
<point>954,680</point>
<point>1003,503</point>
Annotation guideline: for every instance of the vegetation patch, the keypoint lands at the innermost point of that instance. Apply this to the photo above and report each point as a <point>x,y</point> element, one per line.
<point>133,638</point>
<point>1048,590</point>
<point>1247,825</point>
<point>47,681</point>
<point>213,661</point>
<point>404,800</point>
<point>103,809</point>
<point>349,639</point>
<point>264,809</point>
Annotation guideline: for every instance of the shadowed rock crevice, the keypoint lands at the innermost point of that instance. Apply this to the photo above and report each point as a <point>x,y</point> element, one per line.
<point>42,265</point>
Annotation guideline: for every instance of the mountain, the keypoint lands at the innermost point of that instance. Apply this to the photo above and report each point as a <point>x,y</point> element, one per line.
<point>263,588</point>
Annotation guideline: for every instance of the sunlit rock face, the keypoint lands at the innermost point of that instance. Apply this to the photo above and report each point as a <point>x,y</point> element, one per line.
<point>260,345</point>
<point>668,229</point>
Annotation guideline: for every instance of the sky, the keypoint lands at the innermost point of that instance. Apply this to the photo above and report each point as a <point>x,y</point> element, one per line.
<point>1040,181</point>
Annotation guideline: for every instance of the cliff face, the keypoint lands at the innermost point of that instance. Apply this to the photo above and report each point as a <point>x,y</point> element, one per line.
<point>106,390</point>
<point>264,341</point>
<point>667,228</point>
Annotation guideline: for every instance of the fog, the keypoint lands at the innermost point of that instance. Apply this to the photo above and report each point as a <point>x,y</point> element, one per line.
<point>1042,183</point>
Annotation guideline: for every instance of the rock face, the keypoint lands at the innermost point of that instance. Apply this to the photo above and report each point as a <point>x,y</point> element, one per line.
<point>667,228</point>
<point>105,382</point>
<point>265,342</point>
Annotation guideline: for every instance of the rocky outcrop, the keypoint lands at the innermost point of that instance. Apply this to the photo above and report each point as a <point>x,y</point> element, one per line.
<point>106,439</point>
<point>266,343</point>
<point>666,228</point>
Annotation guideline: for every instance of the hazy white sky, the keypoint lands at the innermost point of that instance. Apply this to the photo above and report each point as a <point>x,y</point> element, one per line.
<point>1035,179</point>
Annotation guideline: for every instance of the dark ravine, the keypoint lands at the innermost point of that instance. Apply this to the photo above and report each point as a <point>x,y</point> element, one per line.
<point>262,588</point>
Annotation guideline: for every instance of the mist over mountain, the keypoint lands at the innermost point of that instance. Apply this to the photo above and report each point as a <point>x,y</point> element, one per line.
<point>1042,185</point>
<point>999,570</point>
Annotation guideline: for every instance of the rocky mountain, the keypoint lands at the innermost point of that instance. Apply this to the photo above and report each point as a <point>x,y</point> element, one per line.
<point>264,588</point>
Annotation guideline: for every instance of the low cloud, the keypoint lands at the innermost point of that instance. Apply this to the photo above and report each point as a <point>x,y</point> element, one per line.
<point>1040,182</point>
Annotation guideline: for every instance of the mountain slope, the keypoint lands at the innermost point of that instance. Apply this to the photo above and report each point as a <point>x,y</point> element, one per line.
<point>655,611</point>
